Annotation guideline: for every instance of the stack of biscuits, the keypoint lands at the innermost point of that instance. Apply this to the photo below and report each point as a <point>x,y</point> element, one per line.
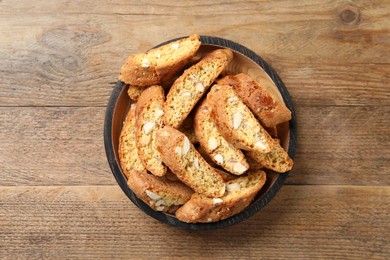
<point>196,141</point>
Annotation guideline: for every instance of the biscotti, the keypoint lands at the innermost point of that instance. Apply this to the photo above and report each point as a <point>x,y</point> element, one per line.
<point>149,119</point>
<point>277,159</point>
<point>159,64</point>
<point>235,121</point>
<point>128,155</point>
<point>240,192</point>
<point>219,150</point>
<point>160,193</point>
<point>185,162</point>
<point>198,140</point>
<point>190,87</point>
<point>267,108</point>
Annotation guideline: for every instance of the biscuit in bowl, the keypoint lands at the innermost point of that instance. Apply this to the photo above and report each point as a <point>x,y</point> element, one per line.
<point>243,61</point>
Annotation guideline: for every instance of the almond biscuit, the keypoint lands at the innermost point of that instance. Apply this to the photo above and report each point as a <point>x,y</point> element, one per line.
<point>159,64</point>
<point>185,162</point>
<point>187,90</point>
<point>235,121</point>
<point>149,114</point>
<point>240,192</point>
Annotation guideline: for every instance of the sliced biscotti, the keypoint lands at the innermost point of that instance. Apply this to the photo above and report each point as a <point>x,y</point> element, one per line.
<point>160,193</point>
<point>235,121</point>
<point>134,92</point>
<point>263,104</point>
<point>190,87</point>
<point>185,162</point>
<point>219,150</point>
<point>240,192</point>
<point>277,159</point>
<point>159,64</point>
<point>128,155</point>
<point>149,112</point>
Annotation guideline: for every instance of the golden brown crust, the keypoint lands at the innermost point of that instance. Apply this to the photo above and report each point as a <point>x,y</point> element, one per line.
<point>240,193</point>
<point>159,64</point>
<point>186,163</point>
<point>149,119</point>
<point>235,121</point>
<point>267,108</point>
<point>190,87</point>
<point>160,193</point>
<point>128,155</point>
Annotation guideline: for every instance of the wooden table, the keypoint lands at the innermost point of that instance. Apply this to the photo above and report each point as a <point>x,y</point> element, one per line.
<point>58,64</point>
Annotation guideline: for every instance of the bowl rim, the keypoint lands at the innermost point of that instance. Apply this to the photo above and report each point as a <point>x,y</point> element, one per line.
<point>255,206</point>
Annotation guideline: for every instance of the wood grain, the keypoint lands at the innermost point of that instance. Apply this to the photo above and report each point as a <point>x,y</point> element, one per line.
<point>340,85</point>
<point>66,61</point>
<point>348,145</point>
<point>336,85</point>
<point>53,146</point>
<point>59,63</point>
<point>98,221</point>
<point>64,146</point>
<point>280,30</point>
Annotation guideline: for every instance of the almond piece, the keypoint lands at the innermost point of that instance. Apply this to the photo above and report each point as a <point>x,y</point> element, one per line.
<point>219,158</point>
<point>239,168</point>
<point>160,202</point>
<point>232,99</point>
<point>233,187</point>
<point>186,94</point>
<point>196,163</point>
<point>213,143</point>
<point>159,113</point>
<point>186,145</point>
<point>199,87</point>
<point>261,145</point>
<point>148,126</point>
<point>161,208</point>
<point>175,46</point>
<point>152,195</point>
<point>237,120</point>
<point>145,63</point>
<point>217,201</point>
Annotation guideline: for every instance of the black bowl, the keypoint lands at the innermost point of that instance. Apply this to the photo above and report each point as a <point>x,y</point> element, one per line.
<point>244,60</point>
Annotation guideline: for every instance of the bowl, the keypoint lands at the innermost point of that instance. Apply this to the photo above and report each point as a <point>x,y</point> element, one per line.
<point>245,61</point>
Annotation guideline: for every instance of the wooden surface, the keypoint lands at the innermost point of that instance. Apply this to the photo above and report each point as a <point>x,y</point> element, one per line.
<point>59,60</point>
